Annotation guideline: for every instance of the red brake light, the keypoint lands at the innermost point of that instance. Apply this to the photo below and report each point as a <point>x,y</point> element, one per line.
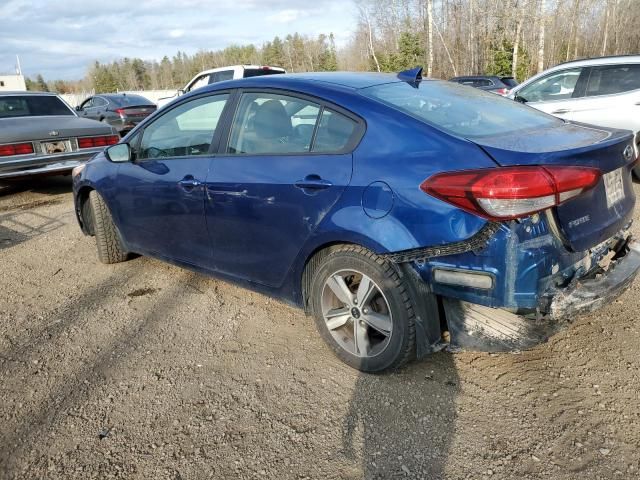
<point>101,141</point>
<point>510,192</point>
<point>120,111</point>
<point>502,91</point>
<point>16,149</point>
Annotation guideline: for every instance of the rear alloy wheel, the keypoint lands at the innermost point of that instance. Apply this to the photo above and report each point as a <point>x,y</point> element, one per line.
<point>362,310</point>
<point>108,241</point>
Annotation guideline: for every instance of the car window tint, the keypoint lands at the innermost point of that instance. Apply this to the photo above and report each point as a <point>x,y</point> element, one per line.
<point>483,82</point>
<point>88,103</point>
<point>334,132</point>
<point>613,79</point>
<point>32,106</point>
<point>200,82</point>
<point>556,86</point>
<point>130,100</point>
<point>99,102</point>
<point>187,130</point>
<point>222,76</point>
<point>270,123</point>
<point>467,112</point>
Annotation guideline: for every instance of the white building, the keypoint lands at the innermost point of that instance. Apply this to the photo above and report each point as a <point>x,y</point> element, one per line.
<point>12,82</point>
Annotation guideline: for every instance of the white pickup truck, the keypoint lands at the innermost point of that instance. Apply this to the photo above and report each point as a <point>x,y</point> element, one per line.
<point>220,74</point>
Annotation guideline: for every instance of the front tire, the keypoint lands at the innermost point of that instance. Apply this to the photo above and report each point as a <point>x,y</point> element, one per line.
<point>362,309</point>
<point>108,241</point>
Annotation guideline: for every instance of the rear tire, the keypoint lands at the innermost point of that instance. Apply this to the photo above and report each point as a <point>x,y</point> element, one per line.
<point>370,332</point>
<point>636,172</point>
<point>108,242</point>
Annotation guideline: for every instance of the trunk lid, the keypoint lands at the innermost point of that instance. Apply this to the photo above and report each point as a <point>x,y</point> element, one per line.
<point>26,129</point>
<point>598,214</point>
<point>138,111</point>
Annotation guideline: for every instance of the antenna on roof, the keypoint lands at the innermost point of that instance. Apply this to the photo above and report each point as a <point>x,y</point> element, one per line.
<point>18,67</point>
<point>412,77</point>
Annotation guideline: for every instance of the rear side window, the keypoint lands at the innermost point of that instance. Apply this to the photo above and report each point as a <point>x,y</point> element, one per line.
<point>268,123</point>
<point>259,72</point>
<point>461,111</point>
<point>509,82</point>
<point>334,132</point>
<point>32,106</point>
<point>482,82</point>
<point>612,79</point>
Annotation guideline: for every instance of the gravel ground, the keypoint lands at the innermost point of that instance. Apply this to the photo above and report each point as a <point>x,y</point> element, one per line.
<point>144,370</point>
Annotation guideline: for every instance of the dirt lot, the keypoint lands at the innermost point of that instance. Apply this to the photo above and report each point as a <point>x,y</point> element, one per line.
<point>144,370</point>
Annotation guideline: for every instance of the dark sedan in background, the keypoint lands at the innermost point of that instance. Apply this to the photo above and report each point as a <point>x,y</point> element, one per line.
<point>40,134</point>
<point>490,83</point>
<point>120,110</point>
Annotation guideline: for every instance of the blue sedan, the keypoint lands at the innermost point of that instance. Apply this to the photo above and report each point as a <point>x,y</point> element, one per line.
<point>405,215</point>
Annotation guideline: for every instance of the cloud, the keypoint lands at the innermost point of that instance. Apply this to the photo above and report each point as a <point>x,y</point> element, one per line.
<point>63,42</point>
<point>284,16</point>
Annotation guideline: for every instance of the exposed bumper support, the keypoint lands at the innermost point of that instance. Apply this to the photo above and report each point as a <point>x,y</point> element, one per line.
<point>589,295</point>
<point>477,327</point>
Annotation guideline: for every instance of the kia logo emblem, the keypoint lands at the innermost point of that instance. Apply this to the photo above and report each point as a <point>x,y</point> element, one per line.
<point>628,153</point>
<point>54,133</point>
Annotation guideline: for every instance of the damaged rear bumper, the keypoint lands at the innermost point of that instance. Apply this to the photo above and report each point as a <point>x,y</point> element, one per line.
<point>591,294</point>
<point>477,327</point>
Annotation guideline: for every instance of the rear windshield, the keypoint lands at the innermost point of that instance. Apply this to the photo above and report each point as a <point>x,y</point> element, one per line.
<point>509,82</point>
<point>32,106</point>
<point>459,110</point>
<point>126,100</point>
<point>258,72</point>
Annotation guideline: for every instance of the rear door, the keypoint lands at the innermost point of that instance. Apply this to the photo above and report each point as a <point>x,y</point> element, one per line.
<point>161,195</point>
<point>287,162</point>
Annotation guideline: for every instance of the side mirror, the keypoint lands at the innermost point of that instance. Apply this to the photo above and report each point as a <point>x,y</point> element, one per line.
<point>78,108</point>
<point>181,91</point>
<point>119,153</point>
<point>519,99</point>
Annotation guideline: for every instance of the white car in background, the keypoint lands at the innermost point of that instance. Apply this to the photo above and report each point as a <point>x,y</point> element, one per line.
<point>221,74</point>
<point>602,91</point>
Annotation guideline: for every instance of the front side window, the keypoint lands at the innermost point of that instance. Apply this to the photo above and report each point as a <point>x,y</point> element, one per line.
<point>186,130</point>
<point>467,112</point>
<point>200,82</point>
<point>268,123</point>
<point>612,79</point>
<point>556,86</point>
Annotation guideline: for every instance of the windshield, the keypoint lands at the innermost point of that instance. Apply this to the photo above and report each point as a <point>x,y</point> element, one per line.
<point>460,110</point>
<point>32,106</point>
<point>126,100</point>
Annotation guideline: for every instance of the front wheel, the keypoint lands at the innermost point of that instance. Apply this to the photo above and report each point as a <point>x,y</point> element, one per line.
<point>362,309</point>
<point>108,241</point>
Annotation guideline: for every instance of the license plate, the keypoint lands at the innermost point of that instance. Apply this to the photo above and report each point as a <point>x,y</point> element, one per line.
<point>61,146</point>
<point>614,187</point>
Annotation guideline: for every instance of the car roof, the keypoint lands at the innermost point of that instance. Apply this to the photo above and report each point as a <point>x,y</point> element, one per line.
<point>231,67</point>
<point>587,62</point>
<point>349,80</point>
<point>30,93</point>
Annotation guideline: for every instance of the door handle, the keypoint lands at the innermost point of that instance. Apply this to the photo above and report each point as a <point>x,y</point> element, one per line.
<point>562,110</point>
<point>188,183</point>
<point>313,182</point>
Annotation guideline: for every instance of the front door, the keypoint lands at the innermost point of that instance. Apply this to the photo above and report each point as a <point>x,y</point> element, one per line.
<point>276,182</point>
<point>162,191</point>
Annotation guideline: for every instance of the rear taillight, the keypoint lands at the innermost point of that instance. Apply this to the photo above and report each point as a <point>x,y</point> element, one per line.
<point>502,91</point>
<point>120,111</point>
<point>510,192</point>
<point>101,141</point>
<point>16,149</point>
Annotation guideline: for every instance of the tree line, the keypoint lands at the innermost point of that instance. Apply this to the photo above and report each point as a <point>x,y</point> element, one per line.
<point>448,37</point>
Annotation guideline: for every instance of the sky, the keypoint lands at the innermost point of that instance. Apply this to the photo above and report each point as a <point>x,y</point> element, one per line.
<point>61,38</point>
